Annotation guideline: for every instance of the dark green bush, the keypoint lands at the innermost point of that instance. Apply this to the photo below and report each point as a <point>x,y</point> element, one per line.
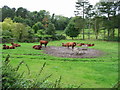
<point>58,37</point>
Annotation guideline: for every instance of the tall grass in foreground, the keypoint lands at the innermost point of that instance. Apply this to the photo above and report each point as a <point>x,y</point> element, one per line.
<point>12,79</point>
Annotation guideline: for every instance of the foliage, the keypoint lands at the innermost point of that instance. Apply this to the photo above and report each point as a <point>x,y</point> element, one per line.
<point>7,26</point>
<point>50,29</point>
<point>41,34</point>
<point>109,9</point>
<point>19,31</point>
<point>12,79</point>
<point>40,20</point>
<point>8,12</point>
<point>97,25</point>
<point>37,26</point>
<point>18,19</point>
<point>22,12</point>
<point>74,27</point>
<point>60,22</point>
<point>45,21</point>
<point>71,30</point>
<point>59,37</point>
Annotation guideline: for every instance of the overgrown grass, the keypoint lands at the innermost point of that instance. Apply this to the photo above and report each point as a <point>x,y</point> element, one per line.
<point>11,78</point>
<point>100,72</point>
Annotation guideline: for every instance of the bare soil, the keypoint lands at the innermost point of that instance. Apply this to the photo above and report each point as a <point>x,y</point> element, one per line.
<point>69,53</point>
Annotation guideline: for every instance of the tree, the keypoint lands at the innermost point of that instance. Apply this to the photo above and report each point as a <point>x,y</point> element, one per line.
<point>82,5</point>
<point>22,12</point>
<point>110,10</point>
<point>19,31</point>
<point>74,27</point>
<point>50,30</point>
<point>53,18</point>
<point>118,26</point>
<point>42,13</point>
<point>89,11</point>
<point>37,26</point>
<point>8,12</point>
<point>71,30</point>
<point>7,26</point>
<point>39,16</point>
<point>97,25</point>
<point>30,33</point>
<point>46,21</point>
<point>28,22</point>
<point>18,19</point>
<point>60,22</point>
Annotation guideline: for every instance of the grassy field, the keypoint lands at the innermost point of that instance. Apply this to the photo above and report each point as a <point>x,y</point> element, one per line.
<point>100,72</point>
<point>92,35</point>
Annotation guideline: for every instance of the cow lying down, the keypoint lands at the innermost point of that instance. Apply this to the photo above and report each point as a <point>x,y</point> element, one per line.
<point>38,47</point>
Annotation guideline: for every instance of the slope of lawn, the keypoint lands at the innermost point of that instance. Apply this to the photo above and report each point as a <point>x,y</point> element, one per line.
<point>100,72</point>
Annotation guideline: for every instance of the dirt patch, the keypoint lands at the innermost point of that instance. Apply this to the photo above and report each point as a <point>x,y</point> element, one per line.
<point>78,52</point>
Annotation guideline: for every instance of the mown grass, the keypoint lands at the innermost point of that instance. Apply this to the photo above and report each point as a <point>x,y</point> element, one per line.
<point>100,72</point>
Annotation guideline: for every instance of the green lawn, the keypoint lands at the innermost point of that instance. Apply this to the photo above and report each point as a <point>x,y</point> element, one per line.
<point>100,72</point>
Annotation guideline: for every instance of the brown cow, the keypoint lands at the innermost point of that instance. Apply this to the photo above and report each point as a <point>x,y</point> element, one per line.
<point>38,47</point>
<point>81,44</point>
<point>43,42</point>
<point>11,47</point>
<point>16,45</point>
<point>5,47</point>
<point>8,47</point>
<point>69,44</point>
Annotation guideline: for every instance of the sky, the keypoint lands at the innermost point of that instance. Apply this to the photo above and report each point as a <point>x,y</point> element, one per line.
<point>59,7</point>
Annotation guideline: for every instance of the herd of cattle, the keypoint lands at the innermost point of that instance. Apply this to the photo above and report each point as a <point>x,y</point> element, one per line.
<point>11,47</point>
<point>38,47</point>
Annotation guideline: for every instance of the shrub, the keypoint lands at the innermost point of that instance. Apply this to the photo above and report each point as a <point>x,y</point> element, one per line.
<point>58,37</point>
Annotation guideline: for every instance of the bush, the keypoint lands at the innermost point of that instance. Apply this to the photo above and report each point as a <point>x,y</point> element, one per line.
<point>58,37</point>
<point>6,39</point>
<point>112,39</point>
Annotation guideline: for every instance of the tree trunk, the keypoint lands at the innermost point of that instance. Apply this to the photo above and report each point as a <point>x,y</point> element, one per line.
<point>113,33</point>
<point>95,30</point>
<point>88,35</point>
<point>108,34</point>
<point>20,37</point>
<point>108,28</point>
<point>104,34</point>
<point>96,36</point>
<point>89,32</point>
<point>119,34</point>
<point>83,35</point>
<point>83,25</point>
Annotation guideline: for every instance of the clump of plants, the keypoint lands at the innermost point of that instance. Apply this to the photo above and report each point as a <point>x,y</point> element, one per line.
<point>12,79</point>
